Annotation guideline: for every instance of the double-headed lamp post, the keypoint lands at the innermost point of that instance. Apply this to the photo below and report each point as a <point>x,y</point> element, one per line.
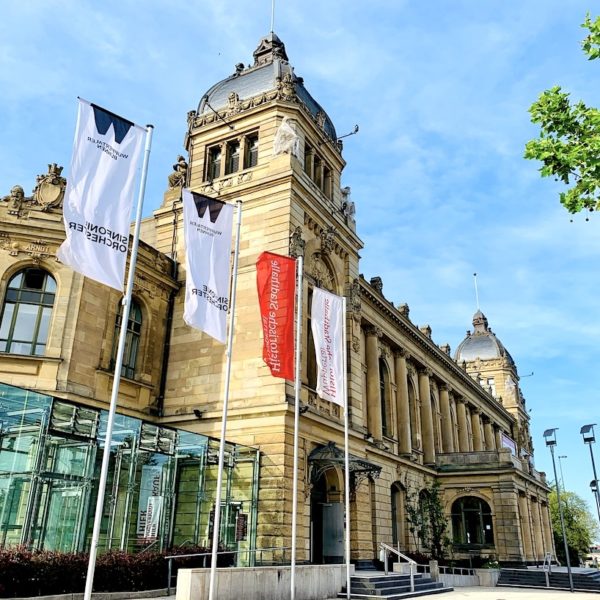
<point>587,432</point>
<point>550,439</point>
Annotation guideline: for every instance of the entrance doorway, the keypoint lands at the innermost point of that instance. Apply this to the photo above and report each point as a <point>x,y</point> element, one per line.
<point>327,520</point>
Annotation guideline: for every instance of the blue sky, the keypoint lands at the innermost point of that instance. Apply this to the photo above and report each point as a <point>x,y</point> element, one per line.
<point>440,90</point>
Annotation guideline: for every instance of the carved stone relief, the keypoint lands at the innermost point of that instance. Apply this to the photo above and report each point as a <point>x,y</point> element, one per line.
<point>297,243</point>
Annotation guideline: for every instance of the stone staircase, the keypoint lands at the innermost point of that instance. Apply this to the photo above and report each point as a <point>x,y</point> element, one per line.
<point>583,579</point>
<point>391,587</point>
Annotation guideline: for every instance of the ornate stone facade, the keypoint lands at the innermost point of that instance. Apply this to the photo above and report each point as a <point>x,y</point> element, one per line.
<point>416,416</point>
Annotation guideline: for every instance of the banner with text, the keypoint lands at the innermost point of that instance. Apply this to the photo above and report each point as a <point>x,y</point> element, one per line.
<point>208,225</point>
<point>276,283</point>
<point>327,315</point>
<point>99,194</point>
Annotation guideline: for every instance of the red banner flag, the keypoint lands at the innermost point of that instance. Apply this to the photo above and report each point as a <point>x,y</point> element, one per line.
<point>276,282</point>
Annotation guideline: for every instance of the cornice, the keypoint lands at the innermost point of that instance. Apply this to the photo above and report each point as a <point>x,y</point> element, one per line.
<point>424,343</point>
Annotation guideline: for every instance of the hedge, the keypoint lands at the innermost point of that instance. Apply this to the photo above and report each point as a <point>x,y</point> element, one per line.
<point>26,572</point>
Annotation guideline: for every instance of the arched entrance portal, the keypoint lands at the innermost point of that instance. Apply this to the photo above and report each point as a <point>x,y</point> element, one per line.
<point>327,519</point>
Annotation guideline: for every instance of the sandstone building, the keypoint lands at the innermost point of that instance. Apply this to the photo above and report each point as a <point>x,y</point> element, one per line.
<point>417,414</point>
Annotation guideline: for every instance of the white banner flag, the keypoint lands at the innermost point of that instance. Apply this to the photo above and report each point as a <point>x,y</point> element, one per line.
<point>99,194</point>
<point>327,324</point>
<point>208,225</point>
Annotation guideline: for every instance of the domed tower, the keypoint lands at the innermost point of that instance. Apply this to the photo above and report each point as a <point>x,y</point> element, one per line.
<point>489,362</point>
<point>259,137</point>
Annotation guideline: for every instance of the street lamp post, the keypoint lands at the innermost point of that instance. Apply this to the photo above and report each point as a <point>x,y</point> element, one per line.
<point>550,439</point>
<point>587,432</point>
<point>562,478</point>
<point>594,488</point>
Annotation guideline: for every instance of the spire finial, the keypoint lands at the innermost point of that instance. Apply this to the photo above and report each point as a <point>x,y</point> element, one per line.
<point>476,290</point>
<point>272,15</point>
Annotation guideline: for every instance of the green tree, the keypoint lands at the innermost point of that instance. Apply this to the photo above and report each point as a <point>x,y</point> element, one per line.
<point>427,521</point>
<point>581,527</point>
<point>569,141</point>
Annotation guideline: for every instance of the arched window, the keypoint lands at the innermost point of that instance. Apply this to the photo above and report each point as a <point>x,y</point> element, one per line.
<point>472,522</point>
<point>27,311</point>
<point>132,340</point>
<point>384,392</point>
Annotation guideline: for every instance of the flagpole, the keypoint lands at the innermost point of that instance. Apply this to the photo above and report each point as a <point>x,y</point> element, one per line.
<point>217,519</point>
<point>346,448</point>
<point>299,273</point>
<point>126,303</point>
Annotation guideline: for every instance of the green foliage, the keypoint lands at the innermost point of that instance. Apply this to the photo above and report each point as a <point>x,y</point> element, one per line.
<point>569,141</point>
<point>591,44</point>
<point>581,527</point>
<point>426,520</point>
<point>26,572</point>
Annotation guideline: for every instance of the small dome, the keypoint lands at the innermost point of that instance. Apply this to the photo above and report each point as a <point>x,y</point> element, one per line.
<point>482,343</point>
<point>270,68</point>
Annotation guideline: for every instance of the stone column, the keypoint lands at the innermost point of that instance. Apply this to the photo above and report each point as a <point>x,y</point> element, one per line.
<point>426,417</point>
<point>528,553</point>
<point>463,432</point>
<point>476,430</point>
<point>488,434</point>
<point>548,529</point>
<point>447,437</point>
<point>537,531</point>
<point>402,403</point>
<point>373,400</point>
<point>498,436</point>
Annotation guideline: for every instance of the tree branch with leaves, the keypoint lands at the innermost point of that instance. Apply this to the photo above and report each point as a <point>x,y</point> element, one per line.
<point>569,142</point>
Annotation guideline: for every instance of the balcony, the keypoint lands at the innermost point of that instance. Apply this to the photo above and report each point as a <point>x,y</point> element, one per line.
<point>486,460</point>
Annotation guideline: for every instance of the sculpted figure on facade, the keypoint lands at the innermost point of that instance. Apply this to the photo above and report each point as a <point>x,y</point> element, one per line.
<point>178,177</point>
<point>15,199</point>
<point>328,239</point>
<point>286,141</point>
<point>377,284</point>
<point>297,243</point>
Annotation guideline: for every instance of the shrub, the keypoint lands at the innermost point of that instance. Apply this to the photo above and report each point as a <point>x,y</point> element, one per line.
<point>26,572</point>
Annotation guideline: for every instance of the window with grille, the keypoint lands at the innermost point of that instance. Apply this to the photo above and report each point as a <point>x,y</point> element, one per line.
<point>214,163</point>
<point>251,152</point>
<point>233,157</point>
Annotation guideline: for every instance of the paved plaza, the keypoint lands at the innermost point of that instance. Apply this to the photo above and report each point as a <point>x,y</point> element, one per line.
<point>506,593</point>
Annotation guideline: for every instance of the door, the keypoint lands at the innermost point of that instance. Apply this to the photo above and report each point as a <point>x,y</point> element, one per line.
<point>333,533</point>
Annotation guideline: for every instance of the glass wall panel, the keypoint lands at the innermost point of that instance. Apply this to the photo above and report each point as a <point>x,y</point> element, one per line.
<point>160,490</point>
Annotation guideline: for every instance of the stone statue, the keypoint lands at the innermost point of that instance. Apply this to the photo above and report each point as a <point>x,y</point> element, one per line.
<point>297,243</point>
<point>16,197</point>
<point>179,175</point>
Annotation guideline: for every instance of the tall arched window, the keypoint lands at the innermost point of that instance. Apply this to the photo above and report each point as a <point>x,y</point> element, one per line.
<point>384,392</point>
<point>27,311</point>
<point>132,340</point>
<point>472,522</point>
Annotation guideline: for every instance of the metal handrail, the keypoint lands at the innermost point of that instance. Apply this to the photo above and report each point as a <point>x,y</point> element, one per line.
<point>547,569</point>
<point>173,557</point>
<point>387,549</point>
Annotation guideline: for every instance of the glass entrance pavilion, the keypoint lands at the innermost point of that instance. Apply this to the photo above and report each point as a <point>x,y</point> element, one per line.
<point>161,485</point>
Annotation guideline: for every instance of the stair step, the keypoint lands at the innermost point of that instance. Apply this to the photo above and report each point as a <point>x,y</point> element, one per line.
<point>415,594</point>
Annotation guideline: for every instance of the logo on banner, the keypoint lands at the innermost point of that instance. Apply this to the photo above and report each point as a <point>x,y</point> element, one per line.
<point>99,194</point>
<point>208,228</point>
<point>105,119</point>
<point>203,202</point>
